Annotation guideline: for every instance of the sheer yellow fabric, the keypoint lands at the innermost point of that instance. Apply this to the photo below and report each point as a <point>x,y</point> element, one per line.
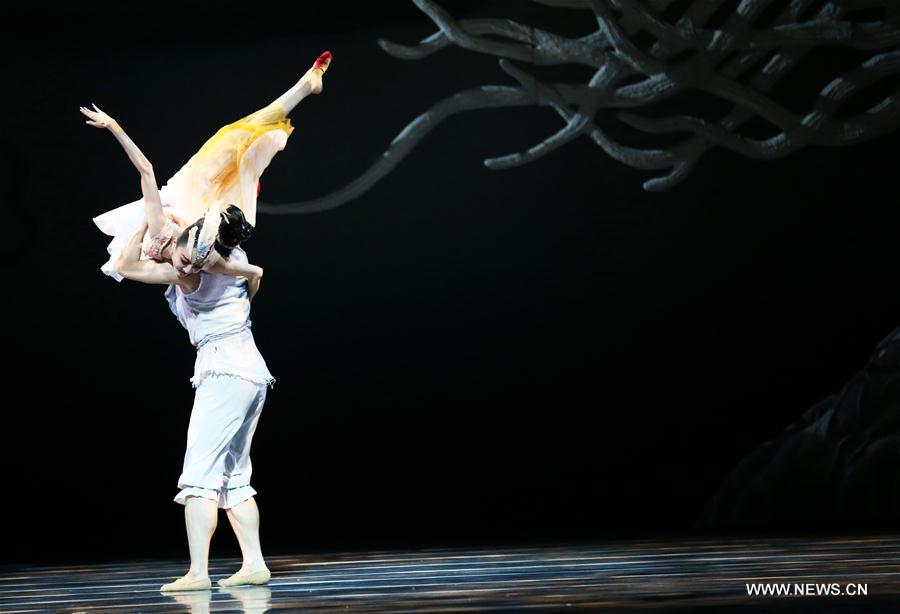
<point>224,171</point>
<point>228,165</point>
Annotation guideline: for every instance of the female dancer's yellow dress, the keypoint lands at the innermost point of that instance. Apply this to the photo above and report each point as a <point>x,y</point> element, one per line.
<point>226,170</point>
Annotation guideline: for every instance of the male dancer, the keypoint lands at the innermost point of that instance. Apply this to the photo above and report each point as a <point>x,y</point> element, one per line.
<point>231,378</point>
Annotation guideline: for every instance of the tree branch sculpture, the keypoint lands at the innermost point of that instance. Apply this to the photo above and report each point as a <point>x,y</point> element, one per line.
<point>738,62</point>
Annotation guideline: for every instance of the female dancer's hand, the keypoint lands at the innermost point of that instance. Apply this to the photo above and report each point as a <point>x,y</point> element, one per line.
<point>98,118</point>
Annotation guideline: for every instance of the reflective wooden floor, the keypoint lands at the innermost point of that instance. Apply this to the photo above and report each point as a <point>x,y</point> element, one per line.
<point>652,576</point>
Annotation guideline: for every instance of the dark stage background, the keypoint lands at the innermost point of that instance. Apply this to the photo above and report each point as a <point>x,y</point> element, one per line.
<point>463,356</point>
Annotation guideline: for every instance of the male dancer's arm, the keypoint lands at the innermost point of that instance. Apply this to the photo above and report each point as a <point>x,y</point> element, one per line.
<point>130,266</point>
<point>227,266</point>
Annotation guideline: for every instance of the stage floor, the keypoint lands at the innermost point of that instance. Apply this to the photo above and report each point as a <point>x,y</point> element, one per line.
<point>652,576</point>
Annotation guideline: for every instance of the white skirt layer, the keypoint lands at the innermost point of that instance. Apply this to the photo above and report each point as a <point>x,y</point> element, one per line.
<point>122,223</point>
<point>235,355</point>
<point>224,497</point>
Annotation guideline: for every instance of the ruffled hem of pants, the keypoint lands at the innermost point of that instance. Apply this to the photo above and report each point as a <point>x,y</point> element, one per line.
<point>268,381</point>
<point>224,497</point>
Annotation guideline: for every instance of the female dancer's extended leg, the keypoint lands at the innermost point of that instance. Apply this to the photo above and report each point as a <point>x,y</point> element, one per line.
<point>257,157</point>
<point>309,83</point>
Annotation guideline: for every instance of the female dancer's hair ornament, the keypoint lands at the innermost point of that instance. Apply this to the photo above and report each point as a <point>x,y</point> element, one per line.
<point>206,237</point>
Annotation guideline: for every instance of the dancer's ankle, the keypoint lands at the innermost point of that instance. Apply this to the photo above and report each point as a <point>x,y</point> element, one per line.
<point>312,82</point>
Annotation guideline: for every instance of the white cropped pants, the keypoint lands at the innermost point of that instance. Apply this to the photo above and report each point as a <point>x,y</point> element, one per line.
<point>217,460</point>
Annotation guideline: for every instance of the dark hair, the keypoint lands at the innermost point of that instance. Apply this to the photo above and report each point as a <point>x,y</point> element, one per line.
<point>234,229</point>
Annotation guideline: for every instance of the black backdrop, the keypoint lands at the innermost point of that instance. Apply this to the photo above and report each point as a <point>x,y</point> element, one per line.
<point>463,355</point>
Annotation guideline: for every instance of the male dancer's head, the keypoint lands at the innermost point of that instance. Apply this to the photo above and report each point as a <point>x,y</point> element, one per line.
<point>195,245</point>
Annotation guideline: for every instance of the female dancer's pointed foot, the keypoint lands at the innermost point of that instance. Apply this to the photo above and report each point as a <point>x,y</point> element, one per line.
<point>314,75</point>
<point>322,62</point>
<point>242,577</point>
<point>188,583</point>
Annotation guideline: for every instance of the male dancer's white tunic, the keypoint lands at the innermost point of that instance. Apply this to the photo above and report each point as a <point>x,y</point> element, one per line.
<point>231,378</point>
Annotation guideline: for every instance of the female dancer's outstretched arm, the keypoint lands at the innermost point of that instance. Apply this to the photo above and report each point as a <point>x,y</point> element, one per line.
<point>156,219</point>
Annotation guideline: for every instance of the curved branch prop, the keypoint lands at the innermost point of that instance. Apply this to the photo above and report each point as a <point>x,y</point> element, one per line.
<point>737,62</point>
<point>485,97</point>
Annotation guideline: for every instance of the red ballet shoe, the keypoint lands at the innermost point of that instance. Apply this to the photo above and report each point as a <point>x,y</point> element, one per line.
<point>322,62</point>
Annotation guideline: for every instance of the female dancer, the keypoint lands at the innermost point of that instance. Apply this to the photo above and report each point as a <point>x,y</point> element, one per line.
<point>225,170</point>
